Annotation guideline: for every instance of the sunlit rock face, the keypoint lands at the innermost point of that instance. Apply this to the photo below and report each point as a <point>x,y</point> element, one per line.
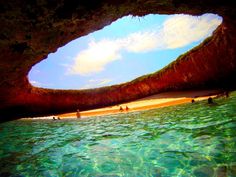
<point>30,30</point>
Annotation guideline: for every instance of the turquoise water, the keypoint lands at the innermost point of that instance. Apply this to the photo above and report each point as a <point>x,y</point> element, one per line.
<point>188,140</point>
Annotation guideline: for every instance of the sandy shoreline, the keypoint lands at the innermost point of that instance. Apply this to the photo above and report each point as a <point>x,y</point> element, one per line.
<point>151,102</point>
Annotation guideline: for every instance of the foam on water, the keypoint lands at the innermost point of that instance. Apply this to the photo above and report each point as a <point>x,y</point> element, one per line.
<point>188,140</point>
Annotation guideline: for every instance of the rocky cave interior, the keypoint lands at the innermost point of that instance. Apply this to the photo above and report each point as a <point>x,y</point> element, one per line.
<point>30,30</point>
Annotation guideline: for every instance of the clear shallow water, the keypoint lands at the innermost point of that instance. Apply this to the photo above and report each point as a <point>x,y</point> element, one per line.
<point>187,140</point>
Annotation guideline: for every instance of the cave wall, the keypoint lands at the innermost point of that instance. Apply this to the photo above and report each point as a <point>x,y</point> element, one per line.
<point>31,29</point>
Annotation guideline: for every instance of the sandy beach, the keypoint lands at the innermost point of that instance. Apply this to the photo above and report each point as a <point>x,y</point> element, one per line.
<point>150,102</point>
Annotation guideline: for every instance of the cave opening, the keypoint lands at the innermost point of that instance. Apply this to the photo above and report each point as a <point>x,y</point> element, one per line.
<point>127,49</point>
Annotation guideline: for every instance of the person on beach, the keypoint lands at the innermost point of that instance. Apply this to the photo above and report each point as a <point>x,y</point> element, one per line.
<point>78,113</point>
<point>121,109</point>
<point>56,118</point>
<point>126,108</point>
<point>193,101</point>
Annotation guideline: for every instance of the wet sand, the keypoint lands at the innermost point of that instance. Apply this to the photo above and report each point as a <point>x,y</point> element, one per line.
<point>150,102</point>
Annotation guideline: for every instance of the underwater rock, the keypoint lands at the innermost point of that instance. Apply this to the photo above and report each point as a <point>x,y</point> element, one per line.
<point>204,171</point>
<point>221,171</point>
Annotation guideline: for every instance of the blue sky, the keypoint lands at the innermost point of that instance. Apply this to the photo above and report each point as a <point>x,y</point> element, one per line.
<point>128,48</point>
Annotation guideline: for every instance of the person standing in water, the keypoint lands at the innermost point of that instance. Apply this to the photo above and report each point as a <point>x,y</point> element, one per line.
<point>210,100</point>
<point>226,93</point>
<point>78,114</point>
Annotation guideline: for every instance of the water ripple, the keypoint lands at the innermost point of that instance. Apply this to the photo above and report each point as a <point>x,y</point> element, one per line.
<point>186,140</point>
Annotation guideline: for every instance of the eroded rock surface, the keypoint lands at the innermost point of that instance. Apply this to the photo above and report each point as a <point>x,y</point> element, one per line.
<point>31,29</point>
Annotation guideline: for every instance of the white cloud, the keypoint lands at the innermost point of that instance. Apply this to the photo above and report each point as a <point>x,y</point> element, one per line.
<point>141,42</point>
<point>36,83</point>
<point>95,57</point>
<point>93,83</point>
<point>39,84</point>
<point>177,31</point>
<point>105,81</point>
<point>100,81</point>
<point>181,30</point>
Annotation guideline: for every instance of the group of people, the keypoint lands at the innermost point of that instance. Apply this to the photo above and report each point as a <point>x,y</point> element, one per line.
<point>78,115</point>
<point>56,118</point>
<point>122,109</point>
<point>210,99</point>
